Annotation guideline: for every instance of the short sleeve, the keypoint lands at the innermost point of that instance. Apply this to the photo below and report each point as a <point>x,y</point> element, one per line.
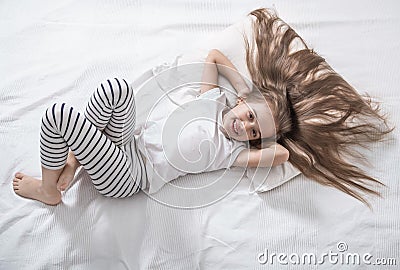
<point>214,93</point>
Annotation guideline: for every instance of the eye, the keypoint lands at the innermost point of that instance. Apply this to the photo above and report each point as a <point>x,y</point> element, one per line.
<point>254,133</point>
<point>251,116</point>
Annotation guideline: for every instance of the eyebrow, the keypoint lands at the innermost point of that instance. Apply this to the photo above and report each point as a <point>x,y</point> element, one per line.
<point>253,111</point>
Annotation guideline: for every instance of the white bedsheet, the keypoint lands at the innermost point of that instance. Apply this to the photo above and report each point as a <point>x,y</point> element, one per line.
<point>57,51</point>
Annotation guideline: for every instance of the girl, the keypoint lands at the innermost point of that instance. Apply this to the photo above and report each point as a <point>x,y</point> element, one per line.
<point>102,140</point>
<point>318,116</point>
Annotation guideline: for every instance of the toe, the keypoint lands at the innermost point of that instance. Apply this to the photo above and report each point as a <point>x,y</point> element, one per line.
<point>59,184</point>
<point>62,183</point>
<point>19,175</point>
<point>15,186</point>
<point>15,183</point>
<point>62,187</point>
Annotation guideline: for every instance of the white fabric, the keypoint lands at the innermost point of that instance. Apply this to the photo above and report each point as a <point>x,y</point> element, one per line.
<point>58,51</point>
<point>186,138</point>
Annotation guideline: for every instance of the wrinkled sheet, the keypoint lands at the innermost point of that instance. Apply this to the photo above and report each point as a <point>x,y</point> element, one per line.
<point>58,51</point>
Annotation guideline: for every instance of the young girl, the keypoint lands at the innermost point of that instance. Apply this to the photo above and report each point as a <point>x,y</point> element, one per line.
<point>102,139</point>
<point>316,116</point>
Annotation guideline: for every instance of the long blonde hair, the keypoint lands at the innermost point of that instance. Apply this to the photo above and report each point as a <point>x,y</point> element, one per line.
<point>320,117</point>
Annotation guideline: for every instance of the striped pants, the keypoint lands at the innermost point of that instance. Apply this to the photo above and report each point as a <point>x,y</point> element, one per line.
<point>101,139</point>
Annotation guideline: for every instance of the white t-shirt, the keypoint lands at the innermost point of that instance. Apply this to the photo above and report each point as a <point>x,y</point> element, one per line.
<point>186,138</point>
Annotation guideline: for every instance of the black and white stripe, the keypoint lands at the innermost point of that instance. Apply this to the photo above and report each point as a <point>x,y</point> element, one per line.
<point>101,139</point>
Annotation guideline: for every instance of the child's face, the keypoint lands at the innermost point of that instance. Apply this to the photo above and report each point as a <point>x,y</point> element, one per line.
<point>249,121</point>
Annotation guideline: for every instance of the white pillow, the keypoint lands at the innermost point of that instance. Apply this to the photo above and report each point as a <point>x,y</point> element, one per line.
<point>230,42</point>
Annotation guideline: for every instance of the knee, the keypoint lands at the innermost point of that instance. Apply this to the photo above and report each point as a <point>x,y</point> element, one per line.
<point>55,114</point>
<point>52,114</point>
<point>115,90</point>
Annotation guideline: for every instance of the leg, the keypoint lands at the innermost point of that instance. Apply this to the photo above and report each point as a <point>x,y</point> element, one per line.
<point>68,173</point>
<point>45,191</point>
<point>107,164</point>
<point>111,108</point>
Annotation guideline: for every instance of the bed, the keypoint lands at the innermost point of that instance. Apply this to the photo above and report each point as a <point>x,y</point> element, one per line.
<point>58,51</point>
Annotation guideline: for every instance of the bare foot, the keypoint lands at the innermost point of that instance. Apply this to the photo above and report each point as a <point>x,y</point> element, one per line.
<point>66,177</point>
<point>31,188</point>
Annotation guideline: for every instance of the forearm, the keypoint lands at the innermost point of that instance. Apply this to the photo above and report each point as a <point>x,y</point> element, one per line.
<point>273,155</point>
<point>209,79</point>
<point>229,71</point>
<point>217,62</point>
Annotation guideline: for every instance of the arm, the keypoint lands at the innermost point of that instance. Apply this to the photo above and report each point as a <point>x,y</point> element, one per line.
<point>273,155</point>
<point>216,62</point>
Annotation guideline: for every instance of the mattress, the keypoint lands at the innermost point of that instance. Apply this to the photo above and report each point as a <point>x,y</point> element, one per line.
<point>58,51</point>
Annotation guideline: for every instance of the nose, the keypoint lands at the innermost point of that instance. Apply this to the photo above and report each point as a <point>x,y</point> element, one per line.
<point>248,125</point>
